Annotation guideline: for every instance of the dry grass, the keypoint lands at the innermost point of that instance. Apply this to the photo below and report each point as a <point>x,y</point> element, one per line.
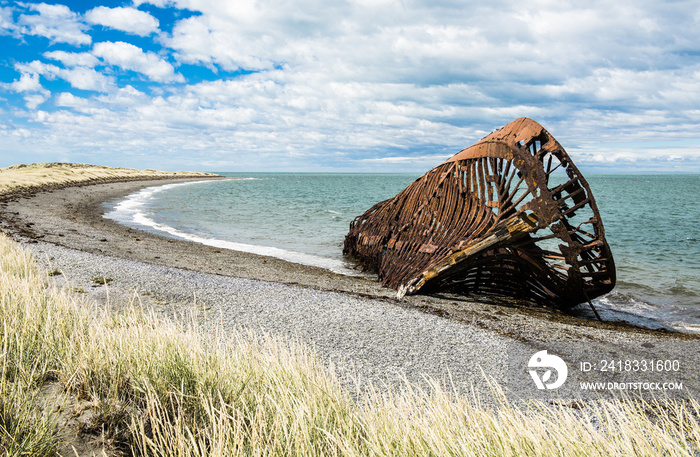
<point>163,388</point>
<point>22,177</point>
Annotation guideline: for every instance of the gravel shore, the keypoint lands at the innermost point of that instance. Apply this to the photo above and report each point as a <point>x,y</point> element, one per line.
<point>352,322</point>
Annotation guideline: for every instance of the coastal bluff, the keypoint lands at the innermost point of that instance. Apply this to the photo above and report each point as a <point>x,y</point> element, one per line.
<point>24,179</point>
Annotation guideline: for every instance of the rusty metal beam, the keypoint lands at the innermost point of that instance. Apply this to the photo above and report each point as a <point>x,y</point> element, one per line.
<point>510,215</point>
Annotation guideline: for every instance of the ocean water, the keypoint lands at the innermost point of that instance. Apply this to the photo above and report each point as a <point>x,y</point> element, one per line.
<point>651,223</point>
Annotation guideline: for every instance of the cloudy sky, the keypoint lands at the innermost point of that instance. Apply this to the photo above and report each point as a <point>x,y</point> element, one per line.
<point>346,85</point>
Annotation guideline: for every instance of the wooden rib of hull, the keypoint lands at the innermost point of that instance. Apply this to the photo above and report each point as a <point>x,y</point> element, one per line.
<point>510,215</point>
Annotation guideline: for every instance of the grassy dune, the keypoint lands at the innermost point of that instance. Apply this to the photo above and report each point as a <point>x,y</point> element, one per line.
<point>30,177</point>
<point>134,383</point>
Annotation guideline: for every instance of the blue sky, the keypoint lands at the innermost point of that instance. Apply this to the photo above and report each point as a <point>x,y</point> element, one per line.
<point>356,85</point>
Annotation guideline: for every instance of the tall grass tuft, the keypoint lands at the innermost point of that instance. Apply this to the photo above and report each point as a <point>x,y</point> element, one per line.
<point>173,388</point>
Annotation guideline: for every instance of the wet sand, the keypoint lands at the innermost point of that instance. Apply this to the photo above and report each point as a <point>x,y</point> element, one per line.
<point>352,320</point>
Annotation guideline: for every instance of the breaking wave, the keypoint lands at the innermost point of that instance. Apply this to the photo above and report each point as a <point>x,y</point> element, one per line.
<point>130,211</point>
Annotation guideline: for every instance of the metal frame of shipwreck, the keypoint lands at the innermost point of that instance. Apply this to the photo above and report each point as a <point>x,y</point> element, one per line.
<point>510,215</point>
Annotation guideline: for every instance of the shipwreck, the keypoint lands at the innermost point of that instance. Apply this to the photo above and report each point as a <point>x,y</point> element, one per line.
<point>510,215</point>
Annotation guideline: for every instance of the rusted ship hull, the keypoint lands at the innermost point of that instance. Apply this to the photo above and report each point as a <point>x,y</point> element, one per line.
<point>510,215</point>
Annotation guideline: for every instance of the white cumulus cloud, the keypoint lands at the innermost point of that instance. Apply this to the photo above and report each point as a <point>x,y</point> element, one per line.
<point>130,57</point>
<point>34,100</point>
<point>27,82</point>
<point>126,19</point>
<point>79,77</point>
<point>55,22</point>
<point>73,59</point>
<point>29,85</point>
<point>71,101</point>
<point>7,25</point>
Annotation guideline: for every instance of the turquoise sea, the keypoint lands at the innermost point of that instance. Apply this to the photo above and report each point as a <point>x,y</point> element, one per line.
<point>651,223</point>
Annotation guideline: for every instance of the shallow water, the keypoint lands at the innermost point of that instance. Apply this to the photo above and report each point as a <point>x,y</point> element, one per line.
<point>650,223</point>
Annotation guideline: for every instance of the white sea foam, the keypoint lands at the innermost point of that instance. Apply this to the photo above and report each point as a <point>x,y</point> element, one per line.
<point>130,211</point>
<point>638,312</point>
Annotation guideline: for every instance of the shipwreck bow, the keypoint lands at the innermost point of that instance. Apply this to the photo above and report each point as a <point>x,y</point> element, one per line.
<point>510,215</point>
